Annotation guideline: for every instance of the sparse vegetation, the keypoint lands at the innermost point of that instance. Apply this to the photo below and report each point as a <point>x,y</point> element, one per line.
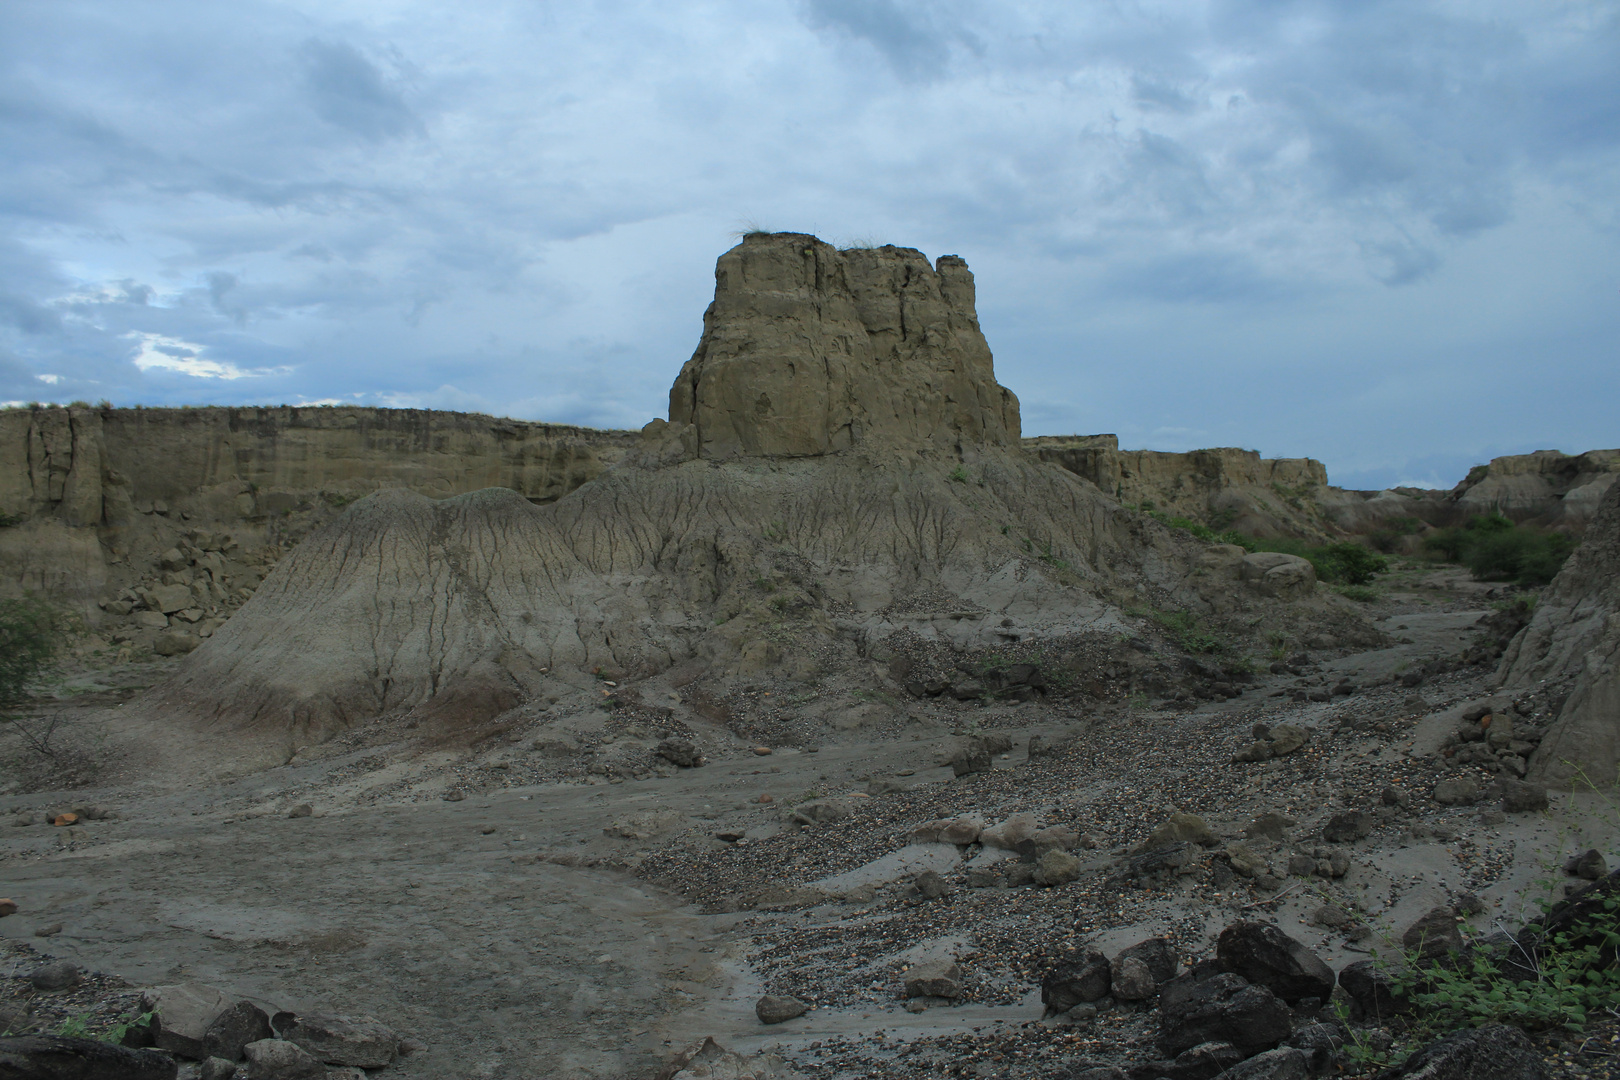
<point>958,475</point>
<point>30,632</point>
<point>1361,594</point>
<point>1342,563</point>
<point>1493,548</point>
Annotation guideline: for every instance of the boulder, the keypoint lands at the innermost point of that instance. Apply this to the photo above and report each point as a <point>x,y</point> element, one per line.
<point>1283,1063</point>
<point>1274,573</point>
<point>1221,1008</point>
<point>277,1059</point>
<point>181,1016</point>
<point>1320,1042</point>
<point>168,598</point>
<point>339,1040</point>
<point>1373,990</point>
<point>970,759</point>
<point>941,978</point>
<point>1347,827</point>
<point>61,1057</point>
<point>930,886</point>
<point>1492,1052</point>
<point>1267,957</point>
<point>1139,971</point>
<point>1462,791</point>
<point>681,752</point>
<point>1519,797</point>
<point>217,1069</point>
<point>1435,934</point>
<point>1075,981</point>
<point>59,975</point>
<point>1009,834</point>
<point>1589,864</point>
<point>779,1008</point>
<point>175,643</point>
<point>234,1028</point>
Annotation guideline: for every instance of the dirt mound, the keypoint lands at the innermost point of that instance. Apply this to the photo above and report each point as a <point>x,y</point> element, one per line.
<point>1574,639</point>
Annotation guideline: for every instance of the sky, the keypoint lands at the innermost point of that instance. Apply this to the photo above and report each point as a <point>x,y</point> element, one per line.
<point>1383,235</point>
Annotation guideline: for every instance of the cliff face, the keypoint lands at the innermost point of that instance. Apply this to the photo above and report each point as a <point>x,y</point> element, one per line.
<point>1574,639</point>
<point>93,497</point>
<point>809,350</point>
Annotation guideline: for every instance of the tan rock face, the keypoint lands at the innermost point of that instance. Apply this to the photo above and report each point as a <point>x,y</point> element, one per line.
<point>808,350</point>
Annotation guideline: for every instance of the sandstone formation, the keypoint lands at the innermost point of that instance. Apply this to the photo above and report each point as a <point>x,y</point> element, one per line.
<point>1573,639</point>
<point>880,490</point>
<point>91,499</point>
<point>810,350</point>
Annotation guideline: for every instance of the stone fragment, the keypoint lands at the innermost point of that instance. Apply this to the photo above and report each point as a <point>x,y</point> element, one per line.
<point>1320,1042</point>
<point>1491,1052</point>
<point>175,644</point>
<point>1333,917</point>
<point>931,886</point>
<point>1077,980</point>
<point>278,1059</point>
<point>339,1040</point>
<point>942,978</point>
<point>779,1008</point>
<point>1373,990</point>
<point>970,759</point>
<point>1462,791</point>
<point>1009,834</point>
<point>60,975</point>
<point>62,1057</point>
<point>1056,867</point>
<point>234,1028</point>
<point>1394,796</point>
<point>1267,957</point>
<point>960,831</point>
<point>1245,860</point>
<point>301,810</point>
<point>49,931</point>
<point>1435,934</point>
<point>61,821</point>
<point>1138,972</point>
<point>8,906</point>
<point>822,810</point>
<point>216,1069</point>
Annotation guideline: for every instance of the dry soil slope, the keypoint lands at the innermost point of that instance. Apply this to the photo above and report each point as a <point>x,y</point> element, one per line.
<point>1574,637</point>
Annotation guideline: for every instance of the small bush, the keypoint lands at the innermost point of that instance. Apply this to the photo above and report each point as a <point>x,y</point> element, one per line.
<point>1361,594</point>
<point>30,630</point>
<point>959,475</point>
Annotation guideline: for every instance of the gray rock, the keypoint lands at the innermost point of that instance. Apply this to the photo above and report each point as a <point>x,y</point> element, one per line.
<point>277,1059</point>
<point>61,1057</point>
<point>60,975</point>
<point>1589,864</point>
<point>1395,796</point>
<point>970,759</point>
<point>1222,1008</point>
<point>1321,1044</point>
<point>941,979</point>
<point>14,1018</point>
<point>779,1008</point>
<point>1284,1063</point>
<point>931,886</point>
<point>1075,981</point>
<point>1018,874</point>
<point>1267,957</point>
<point>1457,792</point>
<point>1333,917</point>
<point>1056,867</point>
<point>1180,829</point>
<point>1347,827</point>
<point>1269,826</point>
<point>1435,934</point>
<point>681,752</point>
<point>234,1028</point>
<point>1371,988</point>
<point>1492,1052</point>
<point>1202,1062</point>
<point>822,810</point>
<point>216,1069</point>
<point>339,1040</point>
<point>1131,979</point>
<point>301,810</point>
<point>1519,797</point>
<point>182,1015</point>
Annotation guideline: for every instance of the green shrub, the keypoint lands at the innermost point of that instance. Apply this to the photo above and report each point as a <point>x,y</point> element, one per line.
<point>29,632</point>
<point>1361,594</point>
<point>1493,548</point>
<point>1343,563</point>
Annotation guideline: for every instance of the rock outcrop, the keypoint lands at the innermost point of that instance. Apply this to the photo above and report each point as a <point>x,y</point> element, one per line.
<point>884,486</point>
<point>1573,639</point>
<point>810,350</point>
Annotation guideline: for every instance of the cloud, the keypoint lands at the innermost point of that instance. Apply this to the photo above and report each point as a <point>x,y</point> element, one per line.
<point>156,352</point>
<point>351,92</point>
<point>916,39</point>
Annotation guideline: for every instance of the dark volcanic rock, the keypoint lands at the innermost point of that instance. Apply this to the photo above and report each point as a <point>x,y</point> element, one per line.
<point>1266,956</point>
<point>58,1057</point>
<point>1372,989</point>
<point>1222,1008</point>
<point>1075,981</point>
<point>1346,827</point>
<point>1493,1052</point>
<point>1435,934</point>
<point>234,1028</point>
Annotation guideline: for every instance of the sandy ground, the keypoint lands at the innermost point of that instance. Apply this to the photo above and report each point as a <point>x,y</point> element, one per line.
<point>458,923</point>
